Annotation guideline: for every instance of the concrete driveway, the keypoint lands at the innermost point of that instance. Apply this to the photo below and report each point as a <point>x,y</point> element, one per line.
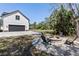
<point>18,33</point>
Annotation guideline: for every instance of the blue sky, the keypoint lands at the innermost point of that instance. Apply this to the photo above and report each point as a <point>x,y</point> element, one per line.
<point>36,12</point>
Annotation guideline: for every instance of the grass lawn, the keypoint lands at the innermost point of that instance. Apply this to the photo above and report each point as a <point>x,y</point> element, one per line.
<point>45,31</point>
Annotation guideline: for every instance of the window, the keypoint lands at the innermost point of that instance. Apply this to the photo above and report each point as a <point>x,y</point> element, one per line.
<point>17,17</point>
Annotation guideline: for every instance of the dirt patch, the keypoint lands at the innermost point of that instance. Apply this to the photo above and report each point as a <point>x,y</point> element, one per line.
<point>15,45</point>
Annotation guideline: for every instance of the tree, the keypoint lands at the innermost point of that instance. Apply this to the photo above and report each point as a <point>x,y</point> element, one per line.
<point>60,21</point>
<point>74,19</point>
<point>41,25</point>
<point>33,25</point>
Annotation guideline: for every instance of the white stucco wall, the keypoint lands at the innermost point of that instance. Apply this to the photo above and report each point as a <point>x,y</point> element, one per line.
<point>11,20</point>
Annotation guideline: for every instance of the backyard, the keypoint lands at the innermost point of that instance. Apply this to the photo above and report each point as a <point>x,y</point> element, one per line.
<point>32,45</point>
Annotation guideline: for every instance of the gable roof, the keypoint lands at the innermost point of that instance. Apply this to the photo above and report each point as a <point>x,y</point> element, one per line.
<point>8,14</point>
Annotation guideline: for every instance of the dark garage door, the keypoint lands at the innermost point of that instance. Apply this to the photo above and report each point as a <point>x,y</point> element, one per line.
<point>16,28</point>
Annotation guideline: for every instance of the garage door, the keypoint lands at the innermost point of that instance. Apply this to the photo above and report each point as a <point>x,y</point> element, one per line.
<point>16,27</point>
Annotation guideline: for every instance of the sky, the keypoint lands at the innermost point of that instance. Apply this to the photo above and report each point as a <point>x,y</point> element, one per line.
<point>36,12</point>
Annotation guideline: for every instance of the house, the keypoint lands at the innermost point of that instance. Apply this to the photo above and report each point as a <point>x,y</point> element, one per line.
<point>14,21</point>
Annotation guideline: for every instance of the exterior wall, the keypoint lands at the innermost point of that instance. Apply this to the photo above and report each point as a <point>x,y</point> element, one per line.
<point>11,20</point>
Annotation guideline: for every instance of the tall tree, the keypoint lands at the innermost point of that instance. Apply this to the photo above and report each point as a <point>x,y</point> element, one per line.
<point>74,18</point>
<point>60,21</point>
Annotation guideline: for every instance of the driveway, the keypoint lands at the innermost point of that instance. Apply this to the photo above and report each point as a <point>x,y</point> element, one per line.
<point>18,33</point>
